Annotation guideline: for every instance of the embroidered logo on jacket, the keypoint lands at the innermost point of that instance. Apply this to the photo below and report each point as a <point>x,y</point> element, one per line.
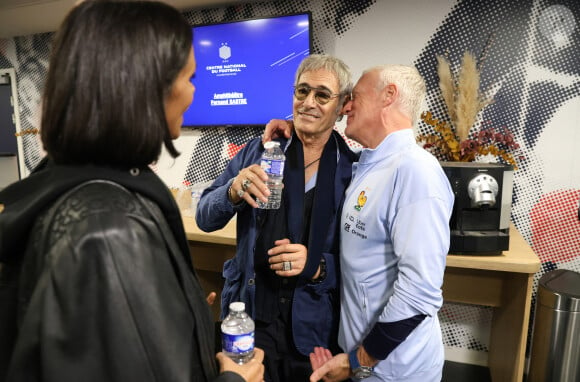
<point>362,199</point>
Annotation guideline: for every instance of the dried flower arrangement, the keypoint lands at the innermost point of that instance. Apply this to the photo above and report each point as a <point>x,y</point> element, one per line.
<point>458,140</point>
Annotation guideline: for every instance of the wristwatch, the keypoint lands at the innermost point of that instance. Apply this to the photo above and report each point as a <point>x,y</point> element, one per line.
<point>359,371</point>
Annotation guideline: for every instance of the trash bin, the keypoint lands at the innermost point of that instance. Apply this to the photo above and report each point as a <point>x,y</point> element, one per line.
<point>555,354</point>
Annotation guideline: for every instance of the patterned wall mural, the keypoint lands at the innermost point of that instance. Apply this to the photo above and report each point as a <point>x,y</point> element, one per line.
<point>532,60</point>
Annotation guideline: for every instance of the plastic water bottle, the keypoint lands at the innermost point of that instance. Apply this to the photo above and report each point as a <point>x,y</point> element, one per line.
<point>273,164</point>
<point>238,334</point>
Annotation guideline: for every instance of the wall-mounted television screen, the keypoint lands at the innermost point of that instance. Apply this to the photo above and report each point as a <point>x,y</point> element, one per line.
<point>245,70</point>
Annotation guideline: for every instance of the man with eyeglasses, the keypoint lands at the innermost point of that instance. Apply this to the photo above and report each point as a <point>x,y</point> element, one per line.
<point>394,238</point>
<point>295,307</point>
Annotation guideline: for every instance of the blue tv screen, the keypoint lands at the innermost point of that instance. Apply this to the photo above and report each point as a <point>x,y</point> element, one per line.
<point>245,70</point>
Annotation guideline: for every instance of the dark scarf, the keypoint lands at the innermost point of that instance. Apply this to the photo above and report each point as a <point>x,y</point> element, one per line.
<point>323,208</point>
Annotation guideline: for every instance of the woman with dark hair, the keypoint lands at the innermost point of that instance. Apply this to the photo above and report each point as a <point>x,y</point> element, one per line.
<point>96,281</point>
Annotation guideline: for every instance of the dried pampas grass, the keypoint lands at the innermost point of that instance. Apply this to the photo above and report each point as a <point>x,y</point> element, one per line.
<point>461,93</point>
<point>457,137</point>
<point>467,103</point>
<point>446,85</point>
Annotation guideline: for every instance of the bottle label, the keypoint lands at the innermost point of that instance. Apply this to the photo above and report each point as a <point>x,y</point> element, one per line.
<point>238,343</point>
<point>273,166</point>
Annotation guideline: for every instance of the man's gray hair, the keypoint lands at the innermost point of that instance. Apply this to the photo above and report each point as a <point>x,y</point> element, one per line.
<point>332,64</point>
<point>410,85</point>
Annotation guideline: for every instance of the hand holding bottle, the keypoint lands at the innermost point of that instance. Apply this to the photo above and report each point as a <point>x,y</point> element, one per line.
<point>252,371</point>
<point>249,185</point>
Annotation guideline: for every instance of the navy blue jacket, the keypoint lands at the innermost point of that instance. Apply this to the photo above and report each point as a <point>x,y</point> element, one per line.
<point>315,306</point>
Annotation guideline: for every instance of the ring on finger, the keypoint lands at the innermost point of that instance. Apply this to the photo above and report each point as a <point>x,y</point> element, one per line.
<point>241,193</point>
<point>287,266</point>
<point>245,184</point>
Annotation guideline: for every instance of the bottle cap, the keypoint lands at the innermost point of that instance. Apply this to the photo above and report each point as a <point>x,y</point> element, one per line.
<point>237,306</point>
<point>271,144</point>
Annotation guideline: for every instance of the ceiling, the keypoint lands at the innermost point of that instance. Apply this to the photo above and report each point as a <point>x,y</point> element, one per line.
<point>25,17</point>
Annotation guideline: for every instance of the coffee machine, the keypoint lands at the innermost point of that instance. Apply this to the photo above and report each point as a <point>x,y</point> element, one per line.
<point>481,212</point>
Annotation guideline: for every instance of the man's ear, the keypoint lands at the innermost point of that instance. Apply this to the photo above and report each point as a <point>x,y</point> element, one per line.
<point>389,94</point>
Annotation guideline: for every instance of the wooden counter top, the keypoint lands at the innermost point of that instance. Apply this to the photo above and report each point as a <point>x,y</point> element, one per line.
<point>520,258</point>
<point>225,236</point>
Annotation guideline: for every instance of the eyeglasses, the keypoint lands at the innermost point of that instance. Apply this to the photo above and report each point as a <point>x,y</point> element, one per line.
<point>321,95</point>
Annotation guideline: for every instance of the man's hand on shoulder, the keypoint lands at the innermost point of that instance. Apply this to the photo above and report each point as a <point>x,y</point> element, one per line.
<point>277,128</point>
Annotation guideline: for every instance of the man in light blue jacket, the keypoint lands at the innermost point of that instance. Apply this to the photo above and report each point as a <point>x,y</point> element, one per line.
<point>394,240</point>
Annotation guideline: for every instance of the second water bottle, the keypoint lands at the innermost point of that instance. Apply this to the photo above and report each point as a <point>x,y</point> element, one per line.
<point>238,334</point>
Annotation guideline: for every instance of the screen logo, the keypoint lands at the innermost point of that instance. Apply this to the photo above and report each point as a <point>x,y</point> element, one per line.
<point>225,51</point>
